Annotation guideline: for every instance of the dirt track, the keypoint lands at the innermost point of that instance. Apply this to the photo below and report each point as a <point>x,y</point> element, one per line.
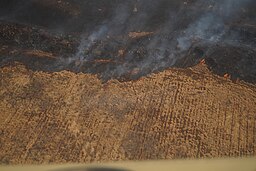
<point>179,113</point>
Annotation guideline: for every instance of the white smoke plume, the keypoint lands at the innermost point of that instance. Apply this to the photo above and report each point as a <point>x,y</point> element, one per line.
<point>186,24</point>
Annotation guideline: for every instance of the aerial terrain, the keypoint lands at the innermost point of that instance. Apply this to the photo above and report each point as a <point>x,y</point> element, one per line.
<point>97,81</point>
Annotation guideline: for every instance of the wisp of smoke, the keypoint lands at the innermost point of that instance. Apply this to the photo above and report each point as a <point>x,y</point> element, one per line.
<point>203,21</point>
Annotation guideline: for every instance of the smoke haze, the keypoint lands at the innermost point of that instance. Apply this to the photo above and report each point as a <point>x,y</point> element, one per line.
<point>183,26</point>
<point>174,29</point>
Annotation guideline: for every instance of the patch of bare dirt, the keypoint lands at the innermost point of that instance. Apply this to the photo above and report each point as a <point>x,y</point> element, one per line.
<point>178,113</point>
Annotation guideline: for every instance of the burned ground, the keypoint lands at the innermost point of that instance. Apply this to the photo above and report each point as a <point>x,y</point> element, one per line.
<point>93,37</point>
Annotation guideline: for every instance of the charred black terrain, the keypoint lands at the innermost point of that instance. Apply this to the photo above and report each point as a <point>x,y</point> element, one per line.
<point>127,40</point>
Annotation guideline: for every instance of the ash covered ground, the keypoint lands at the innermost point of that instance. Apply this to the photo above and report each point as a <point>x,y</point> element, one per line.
<point>127,40</point>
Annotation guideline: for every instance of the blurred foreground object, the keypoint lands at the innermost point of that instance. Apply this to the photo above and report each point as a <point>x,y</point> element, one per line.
<point>248,164</point>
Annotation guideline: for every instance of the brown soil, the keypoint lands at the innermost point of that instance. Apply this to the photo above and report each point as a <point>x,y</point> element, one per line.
<point>39,54</point>
<point>179,113</point>
<point>136,35</point>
